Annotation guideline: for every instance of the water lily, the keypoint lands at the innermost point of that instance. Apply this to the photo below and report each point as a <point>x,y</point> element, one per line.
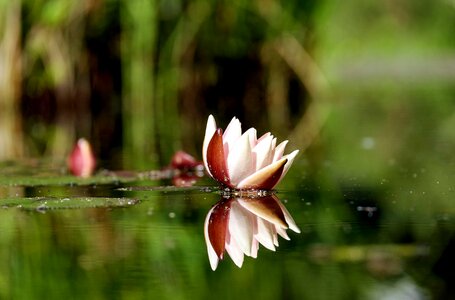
<point>239,225</point>
<point>243,161</point>
<point>81,161</point>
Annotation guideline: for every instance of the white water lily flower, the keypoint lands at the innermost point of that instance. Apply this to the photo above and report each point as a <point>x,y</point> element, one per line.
<point>243,161</point>
<point>239,225</point>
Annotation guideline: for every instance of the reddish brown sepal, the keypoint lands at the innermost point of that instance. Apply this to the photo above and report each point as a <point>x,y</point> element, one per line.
<point>269,207</point>
<point>270,182</point>
<point>217,227</point>
<point>215,159</point>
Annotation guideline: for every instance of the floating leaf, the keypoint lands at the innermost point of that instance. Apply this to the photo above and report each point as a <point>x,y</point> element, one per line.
<point>167,189</point>
<point>43,173</point>
<point>51,203</point>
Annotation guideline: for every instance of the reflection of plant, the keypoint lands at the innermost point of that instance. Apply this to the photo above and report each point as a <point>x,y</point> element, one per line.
<point>239,225</point>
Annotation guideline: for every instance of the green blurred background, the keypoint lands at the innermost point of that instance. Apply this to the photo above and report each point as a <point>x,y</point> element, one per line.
<point>139,78</point>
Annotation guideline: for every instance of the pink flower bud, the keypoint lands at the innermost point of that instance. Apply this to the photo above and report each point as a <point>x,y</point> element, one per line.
<point>184,161</point>
<point>82,162</point>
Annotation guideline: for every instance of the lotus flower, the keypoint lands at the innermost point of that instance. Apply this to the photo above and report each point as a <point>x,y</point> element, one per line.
<point>242,161</point>
<point>239,225</point>
<point>81,161</point>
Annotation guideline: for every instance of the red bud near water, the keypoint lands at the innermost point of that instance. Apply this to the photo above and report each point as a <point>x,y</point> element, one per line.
<point>182,160</point>
<point>82,162</point>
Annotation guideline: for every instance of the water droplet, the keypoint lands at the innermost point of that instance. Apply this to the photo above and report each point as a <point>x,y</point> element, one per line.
<point>368,143</point>
<point>172,215</point>
<point>369,209</point>
<point>41,208</point>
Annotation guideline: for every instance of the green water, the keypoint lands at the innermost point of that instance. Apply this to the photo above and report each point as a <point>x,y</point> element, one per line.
<point>113,237</point>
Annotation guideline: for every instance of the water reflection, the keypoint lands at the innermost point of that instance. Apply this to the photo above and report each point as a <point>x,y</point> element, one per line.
<point>386,275</point>
<point>238,225</point>
<point>390,280</point>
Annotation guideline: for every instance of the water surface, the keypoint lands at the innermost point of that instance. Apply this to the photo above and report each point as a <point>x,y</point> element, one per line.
<point>111,237</point>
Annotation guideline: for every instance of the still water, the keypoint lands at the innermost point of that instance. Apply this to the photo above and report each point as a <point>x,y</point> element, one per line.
<point>122,237</point>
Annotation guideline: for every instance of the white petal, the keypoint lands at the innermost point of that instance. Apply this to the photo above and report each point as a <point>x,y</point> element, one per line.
<point>234,251</point>
<point>289,220</point>
<point>252,135</point>
<point>264,153</point>
<point>209,131</point>
<point>256,207</point>
<point>264,234</point>
<point>275,237</point>
<point>233,131</point>
<point>264,136</point>
<point>254,248</point>
<point>282,233</point>
<point>241,227</point>
<point>213,258</point>
<point>290,157</point>
<point>279,150</point>
<point>240,160</point>
<point>274,144</point>
<point>260,176</point>
<point>254,242</point>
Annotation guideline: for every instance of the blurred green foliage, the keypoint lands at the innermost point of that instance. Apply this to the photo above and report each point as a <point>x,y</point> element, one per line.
<point>131,75</point>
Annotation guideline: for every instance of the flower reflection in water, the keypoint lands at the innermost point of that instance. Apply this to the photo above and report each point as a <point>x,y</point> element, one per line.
<point>238,225</point>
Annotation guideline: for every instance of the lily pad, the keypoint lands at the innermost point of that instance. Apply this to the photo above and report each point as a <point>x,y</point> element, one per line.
<point>53,203</point>
<point>60,180</point>
<point>168,189</point>
<point>42,173</point>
